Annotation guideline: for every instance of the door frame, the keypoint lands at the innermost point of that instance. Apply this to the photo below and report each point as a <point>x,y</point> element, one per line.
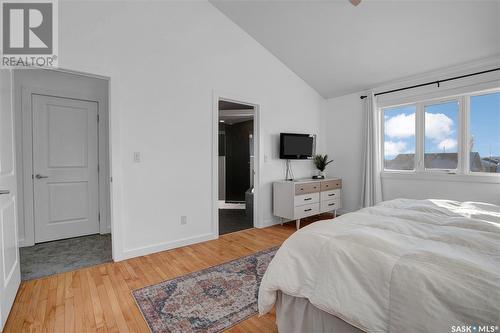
<point>24,142</point>
<point>10,273</point>
<point>230,97</point>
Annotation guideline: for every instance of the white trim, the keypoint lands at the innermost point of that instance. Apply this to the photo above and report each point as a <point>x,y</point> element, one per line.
<point>74,72</point>
<point>270,222</point>
<point>158,247</point>
<point>216,96</point>
<point>463,138</point>
<point>442,176</point>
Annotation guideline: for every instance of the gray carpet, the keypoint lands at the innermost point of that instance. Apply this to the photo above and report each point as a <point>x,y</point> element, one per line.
<point>64,255</point>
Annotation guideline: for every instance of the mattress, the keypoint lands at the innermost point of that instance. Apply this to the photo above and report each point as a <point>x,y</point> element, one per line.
<point>400,266</point>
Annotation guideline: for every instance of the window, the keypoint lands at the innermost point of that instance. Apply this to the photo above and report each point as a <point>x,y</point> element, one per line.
<point>458,135</point>
<point>441,142</point>
<point>485,133</point>
<point>399,138</point>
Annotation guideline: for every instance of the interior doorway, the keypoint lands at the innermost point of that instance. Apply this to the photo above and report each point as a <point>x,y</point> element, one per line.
<point>62,144</point>
<point>65,167</point>
<point>236,166</point>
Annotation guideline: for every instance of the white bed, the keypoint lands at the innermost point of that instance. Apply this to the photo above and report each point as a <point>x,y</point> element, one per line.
<point>401,266</point>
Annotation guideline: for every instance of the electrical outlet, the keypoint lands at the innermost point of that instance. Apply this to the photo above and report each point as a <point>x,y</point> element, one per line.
<point>184,219</point>
<point>137,157</point>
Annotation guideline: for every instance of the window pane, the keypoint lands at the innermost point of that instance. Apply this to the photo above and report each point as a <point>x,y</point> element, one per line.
<point>485,133</point>
<point>441,142</point>
<point>399,138</point>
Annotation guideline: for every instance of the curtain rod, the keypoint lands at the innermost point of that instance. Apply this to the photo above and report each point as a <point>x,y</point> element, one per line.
<point>438,82</point>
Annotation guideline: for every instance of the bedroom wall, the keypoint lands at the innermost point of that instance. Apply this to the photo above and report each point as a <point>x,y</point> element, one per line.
<point>165,59</point>
<point>344,119</point>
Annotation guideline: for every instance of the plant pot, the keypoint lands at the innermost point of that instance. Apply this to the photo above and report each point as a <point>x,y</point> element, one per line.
<point>320,175</point>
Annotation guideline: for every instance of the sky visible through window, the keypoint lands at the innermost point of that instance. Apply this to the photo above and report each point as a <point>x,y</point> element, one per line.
<point>399,130</point>
<point>441,128</point>
<point>441,121</point>
<point>485,124</point>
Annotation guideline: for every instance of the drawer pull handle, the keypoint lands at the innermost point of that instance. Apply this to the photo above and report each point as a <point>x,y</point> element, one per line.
<point>307,199</point>
<point>332,204</point>
<point>331,194</point>
<point>302,189</point>
<point>307,210</point>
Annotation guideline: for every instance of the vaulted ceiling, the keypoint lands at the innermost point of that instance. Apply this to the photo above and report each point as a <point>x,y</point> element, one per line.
<point>338,48</point>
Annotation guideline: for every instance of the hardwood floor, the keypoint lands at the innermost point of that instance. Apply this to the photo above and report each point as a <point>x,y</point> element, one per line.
<point>98,298</point>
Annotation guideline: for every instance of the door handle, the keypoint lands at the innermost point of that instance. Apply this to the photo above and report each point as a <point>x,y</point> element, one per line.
<point>39,176</point>
<point>4,191</point>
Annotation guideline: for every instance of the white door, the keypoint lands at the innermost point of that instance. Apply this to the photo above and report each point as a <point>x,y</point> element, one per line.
<point>65,167</point>
<point>10,274</point>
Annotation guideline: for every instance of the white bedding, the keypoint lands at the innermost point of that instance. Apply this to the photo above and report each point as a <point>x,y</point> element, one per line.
<point>401,266</point>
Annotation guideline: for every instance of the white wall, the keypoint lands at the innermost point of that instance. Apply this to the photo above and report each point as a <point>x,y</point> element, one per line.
<point>344,122</point>
<point>455,190</point>
<point>165,59</point>
<point>344,119</point>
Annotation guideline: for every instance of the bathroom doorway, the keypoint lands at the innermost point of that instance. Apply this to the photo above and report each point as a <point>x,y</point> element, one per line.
<point>236,166</point>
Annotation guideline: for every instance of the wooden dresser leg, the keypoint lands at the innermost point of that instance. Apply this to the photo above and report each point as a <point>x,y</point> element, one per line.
<point>298,224</point>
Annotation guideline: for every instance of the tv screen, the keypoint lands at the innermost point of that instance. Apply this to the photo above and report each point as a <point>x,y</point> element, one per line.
<point>296,146</point>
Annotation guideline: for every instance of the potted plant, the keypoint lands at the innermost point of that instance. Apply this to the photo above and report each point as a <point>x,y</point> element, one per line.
<point>321,161</point>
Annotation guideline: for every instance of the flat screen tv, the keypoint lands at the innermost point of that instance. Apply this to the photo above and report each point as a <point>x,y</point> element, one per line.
<point>295,146</point>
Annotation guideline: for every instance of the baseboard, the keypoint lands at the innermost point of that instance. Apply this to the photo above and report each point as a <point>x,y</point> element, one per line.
<point>105,231</point>
<point>23,243</point>
<point>145,250</point>
<point>268,223</point>
<point>342,212</point>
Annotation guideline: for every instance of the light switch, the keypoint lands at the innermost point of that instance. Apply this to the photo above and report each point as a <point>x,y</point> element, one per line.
<point>137,157</point>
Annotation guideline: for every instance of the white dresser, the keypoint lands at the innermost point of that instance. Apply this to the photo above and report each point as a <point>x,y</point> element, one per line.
<point>301,198</point>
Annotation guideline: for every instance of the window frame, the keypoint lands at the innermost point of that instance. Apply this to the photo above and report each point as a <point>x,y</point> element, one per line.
<point>462,172</point>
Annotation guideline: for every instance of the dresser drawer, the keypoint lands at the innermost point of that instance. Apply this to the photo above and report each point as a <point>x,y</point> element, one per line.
<point>328,206</point>
<point>305,188</point>
<point>306,210</point>
<point>330,195</point>
<point>305,199</point>
<point>331,185</point>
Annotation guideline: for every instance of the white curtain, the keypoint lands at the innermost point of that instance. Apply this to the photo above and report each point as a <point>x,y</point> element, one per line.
<point>371,191</point>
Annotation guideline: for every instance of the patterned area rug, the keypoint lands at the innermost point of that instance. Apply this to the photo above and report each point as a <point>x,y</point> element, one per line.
<point>210,300</point>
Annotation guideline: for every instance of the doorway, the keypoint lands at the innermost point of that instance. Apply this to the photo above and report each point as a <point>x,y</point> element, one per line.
<point>63,170</point>
<point>236,166</point>
<point>65,167</point>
